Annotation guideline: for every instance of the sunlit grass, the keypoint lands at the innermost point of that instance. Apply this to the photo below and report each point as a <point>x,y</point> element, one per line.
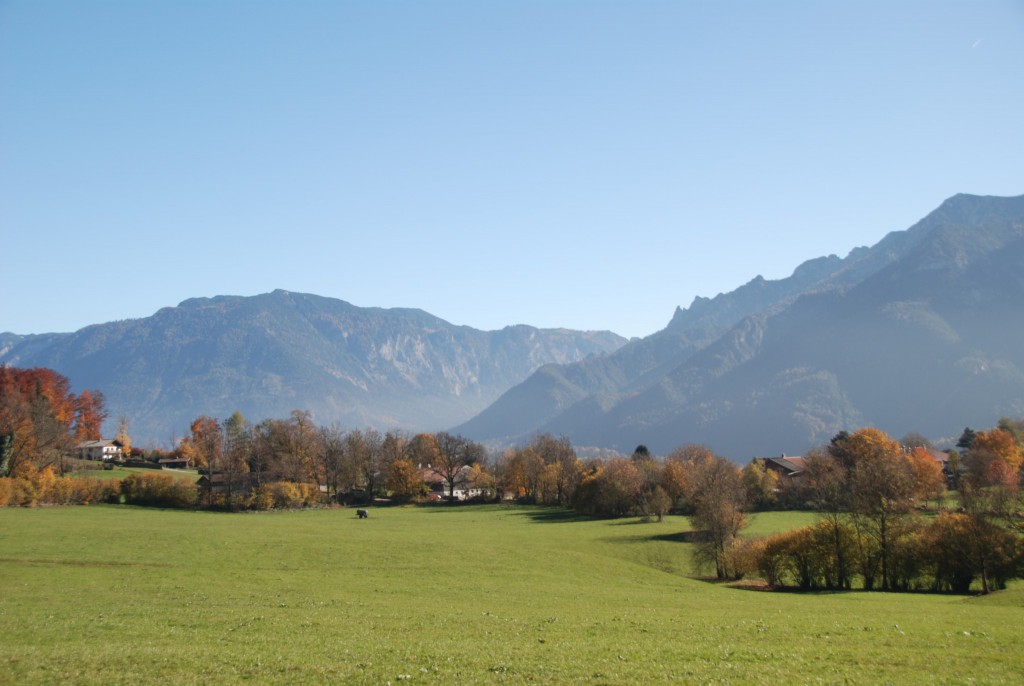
<point>463,595</point>
<point>122,472</point>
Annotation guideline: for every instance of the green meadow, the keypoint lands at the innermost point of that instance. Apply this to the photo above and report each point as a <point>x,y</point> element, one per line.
<point>123,472</point>
<point>465,595</point>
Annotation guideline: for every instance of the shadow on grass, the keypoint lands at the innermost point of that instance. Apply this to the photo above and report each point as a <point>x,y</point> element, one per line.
<point>673,537</point>
<point>554,515</point>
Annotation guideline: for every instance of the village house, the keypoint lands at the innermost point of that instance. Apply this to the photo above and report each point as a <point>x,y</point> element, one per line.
<point>783,466</point>
<point>174,463</point>
<point>790,467</point>
<point>220,482</point>
<point>104,449</point>
<point>464,489</point>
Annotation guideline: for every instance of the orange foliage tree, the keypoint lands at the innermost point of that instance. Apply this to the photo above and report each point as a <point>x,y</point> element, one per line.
<point>991,446</point>
<point>929,481</point>
<point>38,413</point>
<point>89,416</point>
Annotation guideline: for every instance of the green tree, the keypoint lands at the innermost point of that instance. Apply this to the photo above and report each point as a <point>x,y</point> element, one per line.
<point>6,453</point>
<point>234,466</point>
<point>966,439</point>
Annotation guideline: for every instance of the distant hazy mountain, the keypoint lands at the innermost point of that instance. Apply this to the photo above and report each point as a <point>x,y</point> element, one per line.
<point>919,333</point>
<point>270,354</point>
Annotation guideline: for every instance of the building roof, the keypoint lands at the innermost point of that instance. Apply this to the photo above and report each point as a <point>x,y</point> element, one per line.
<point>101,443</point>
<point>787,465</point>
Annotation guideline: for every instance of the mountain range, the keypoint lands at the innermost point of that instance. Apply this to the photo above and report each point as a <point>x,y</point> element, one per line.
<point>918,333</point>
<point>269,354</point>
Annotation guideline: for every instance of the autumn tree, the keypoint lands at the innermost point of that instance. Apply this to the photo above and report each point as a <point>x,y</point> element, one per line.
<point>659,503</point>
<point>204,447</point>
<point>287,450</point>
<point>929,481</point>
<point>393,447</point>
<point>364,452</point>
<point>263,448</point>
<point>881,491</point>
<point>338,474</point>
<point>204,444</point>
<point>234,466</point>
<point>545,470</point>
<point>824,484</point>
<point>714,487</point>
<point>299,460</point>
<point>123,437</point>
<point>90,414</point>
<point>991,487</point>
<point>612,490</point>
<point>761,484</point>
<point>520,472</point>
<point>651,500</point>
<point>423,450</point>
<point>562,471</point>
<point>961,549</point>
<point>1015,427</point>
<point>454,453</point>
<point>38,412</point>
<point>997,445</point>
<point>681,466</point>
<point>404,480</point>
<point>673,481</point>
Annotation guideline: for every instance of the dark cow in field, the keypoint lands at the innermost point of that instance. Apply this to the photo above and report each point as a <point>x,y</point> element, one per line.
<point>362,514</point>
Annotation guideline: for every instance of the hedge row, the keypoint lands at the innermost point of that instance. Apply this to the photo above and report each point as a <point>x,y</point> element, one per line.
<point>33,488</point>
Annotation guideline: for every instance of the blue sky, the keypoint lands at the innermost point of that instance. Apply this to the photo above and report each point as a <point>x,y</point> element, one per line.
<point>565,163</point>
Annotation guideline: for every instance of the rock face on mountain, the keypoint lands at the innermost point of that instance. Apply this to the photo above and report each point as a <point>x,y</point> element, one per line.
<point>270,354</point>
<point>919,333</point>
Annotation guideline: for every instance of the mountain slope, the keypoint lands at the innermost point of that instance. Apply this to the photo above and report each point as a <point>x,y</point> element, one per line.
<point>269,354</point>
<point>914,334</point>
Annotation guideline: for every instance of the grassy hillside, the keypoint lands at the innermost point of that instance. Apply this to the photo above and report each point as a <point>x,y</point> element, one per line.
<point>465,595</point>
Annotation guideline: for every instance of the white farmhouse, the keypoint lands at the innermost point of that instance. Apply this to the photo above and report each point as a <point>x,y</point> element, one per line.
<point>104,449</point>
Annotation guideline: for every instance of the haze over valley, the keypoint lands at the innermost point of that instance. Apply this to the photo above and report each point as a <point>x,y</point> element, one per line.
<point>913,334</point>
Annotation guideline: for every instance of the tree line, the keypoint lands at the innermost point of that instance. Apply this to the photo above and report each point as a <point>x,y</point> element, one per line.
<point>867,488</point>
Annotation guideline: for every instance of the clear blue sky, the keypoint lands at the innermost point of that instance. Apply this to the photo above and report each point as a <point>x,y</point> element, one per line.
<point>564,163</point>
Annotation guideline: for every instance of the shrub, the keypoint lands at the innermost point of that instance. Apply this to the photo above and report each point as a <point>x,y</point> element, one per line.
<point>23,493</point>
<point>262,498</point>
<point>960,548</point>
<point>742,556</point>
<point>160,490</point>
<point>809,557</point>
<point>285,495</point>
<point>770,559</point>
<point>89,490</point>
<point>310,494</point>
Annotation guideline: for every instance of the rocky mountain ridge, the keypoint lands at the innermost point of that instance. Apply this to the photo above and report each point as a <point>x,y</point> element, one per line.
<point>779,366</point>
<point>269,354</point>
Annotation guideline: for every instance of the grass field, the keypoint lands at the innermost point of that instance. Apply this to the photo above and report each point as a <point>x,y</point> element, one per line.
<point>469,595</point>
<point>122,472</point>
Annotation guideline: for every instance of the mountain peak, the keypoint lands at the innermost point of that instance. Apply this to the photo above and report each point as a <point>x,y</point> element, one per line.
<point>914,333</point>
